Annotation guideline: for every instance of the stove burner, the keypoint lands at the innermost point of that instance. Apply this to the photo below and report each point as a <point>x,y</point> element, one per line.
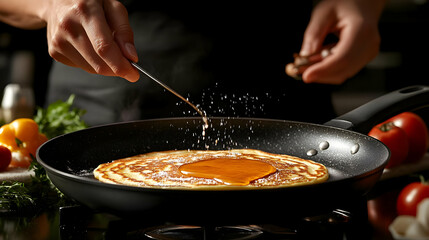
<point>337,216</point>
<point>188,232</point>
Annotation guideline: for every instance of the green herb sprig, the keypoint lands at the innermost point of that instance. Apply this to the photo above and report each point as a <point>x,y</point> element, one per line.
<point>60,118</point>
<point>14,195</point>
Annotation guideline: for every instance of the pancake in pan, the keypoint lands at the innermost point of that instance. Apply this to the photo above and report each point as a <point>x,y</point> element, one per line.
<point>212,169</point>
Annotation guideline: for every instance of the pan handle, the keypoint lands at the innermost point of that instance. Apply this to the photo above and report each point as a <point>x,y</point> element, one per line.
<point>363,118</point>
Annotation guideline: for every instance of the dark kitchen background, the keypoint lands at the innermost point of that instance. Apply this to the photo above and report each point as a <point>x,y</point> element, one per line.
<point>402,61</point>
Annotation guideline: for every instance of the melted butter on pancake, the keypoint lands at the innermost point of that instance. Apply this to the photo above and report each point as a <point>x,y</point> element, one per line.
<point>212,169</point>
<point>231,171</point>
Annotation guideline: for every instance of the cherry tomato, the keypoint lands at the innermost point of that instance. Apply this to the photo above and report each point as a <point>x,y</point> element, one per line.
<point>395,139</point>
<point>410,196</point>
<point>417,134</point>
<point>5,157</point>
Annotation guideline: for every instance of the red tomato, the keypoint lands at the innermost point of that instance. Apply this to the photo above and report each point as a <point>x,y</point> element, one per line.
<point>5,157</point>
<point>410,196</point>
<point>382,212</point>
<point>417,133</point>
<point>395,139</point>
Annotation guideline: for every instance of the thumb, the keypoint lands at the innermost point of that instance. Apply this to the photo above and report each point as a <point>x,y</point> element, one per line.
<point>117,17</point>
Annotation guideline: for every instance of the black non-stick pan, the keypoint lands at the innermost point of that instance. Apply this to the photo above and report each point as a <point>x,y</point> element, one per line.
<point>355,162</point>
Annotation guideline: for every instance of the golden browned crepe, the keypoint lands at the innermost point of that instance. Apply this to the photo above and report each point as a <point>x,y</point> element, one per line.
<point>163,170</point>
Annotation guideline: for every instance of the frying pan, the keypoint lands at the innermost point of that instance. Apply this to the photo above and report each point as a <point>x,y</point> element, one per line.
<point>354,160</point>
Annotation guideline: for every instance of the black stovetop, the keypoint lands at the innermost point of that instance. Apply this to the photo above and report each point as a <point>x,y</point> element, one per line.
<point>76,222</point>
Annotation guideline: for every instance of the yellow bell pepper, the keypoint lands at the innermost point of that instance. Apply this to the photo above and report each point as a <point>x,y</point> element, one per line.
<point>22,137</point>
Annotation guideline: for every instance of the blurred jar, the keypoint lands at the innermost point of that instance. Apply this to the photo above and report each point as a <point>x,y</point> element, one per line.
<point>18,96</point>
<point>18,102</point>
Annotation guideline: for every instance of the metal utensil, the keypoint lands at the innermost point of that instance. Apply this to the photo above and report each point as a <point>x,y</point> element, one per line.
<point>202,113</point>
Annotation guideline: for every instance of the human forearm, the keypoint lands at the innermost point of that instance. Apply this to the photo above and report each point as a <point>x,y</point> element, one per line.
<point>24,14</point>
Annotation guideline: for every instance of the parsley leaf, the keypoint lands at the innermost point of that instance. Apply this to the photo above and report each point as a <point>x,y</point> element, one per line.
<point>59,118</point>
